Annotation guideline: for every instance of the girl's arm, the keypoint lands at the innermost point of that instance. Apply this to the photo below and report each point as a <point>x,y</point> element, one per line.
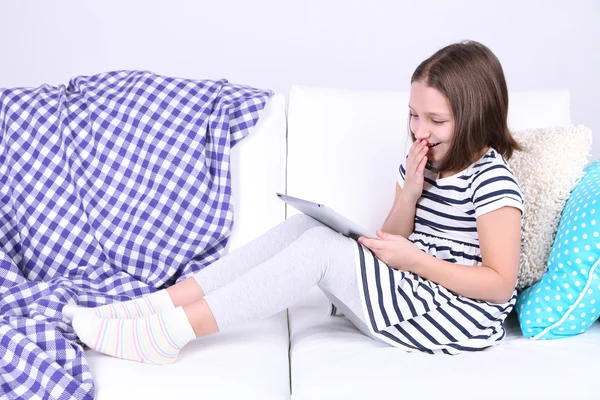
<point>401,218</point>
<point>500,243</point>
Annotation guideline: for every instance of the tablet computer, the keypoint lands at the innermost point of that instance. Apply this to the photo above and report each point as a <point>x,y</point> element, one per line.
<point>328,217</point>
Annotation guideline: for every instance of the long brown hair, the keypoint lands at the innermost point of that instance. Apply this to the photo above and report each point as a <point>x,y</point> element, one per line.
<point>471,78</point>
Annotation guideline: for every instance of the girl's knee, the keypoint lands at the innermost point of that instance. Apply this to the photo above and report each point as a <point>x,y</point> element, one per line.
<point>326,238</point>
<point>303,221</point>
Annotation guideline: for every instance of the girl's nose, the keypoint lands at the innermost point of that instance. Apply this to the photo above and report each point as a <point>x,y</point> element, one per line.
<point>421,134</point>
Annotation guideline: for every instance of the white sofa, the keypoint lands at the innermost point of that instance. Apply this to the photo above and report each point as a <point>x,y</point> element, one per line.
<point>340,148</point>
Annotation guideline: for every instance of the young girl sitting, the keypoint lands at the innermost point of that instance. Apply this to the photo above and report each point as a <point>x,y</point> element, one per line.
<point>440,277</point>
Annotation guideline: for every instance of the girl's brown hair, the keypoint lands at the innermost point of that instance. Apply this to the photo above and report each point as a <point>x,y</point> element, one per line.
<point>471,78</point>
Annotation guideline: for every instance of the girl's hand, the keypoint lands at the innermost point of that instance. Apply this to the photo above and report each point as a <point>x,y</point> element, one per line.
<point>415,167</point>
<point>394,250</point>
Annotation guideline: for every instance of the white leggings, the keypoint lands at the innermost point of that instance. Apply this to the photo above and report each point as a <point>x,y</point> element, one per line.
<point>275,270</point>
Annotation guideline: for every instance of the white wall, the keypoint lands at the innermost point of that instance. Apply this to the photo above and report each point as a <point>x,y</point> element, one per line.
<point>543,45</point>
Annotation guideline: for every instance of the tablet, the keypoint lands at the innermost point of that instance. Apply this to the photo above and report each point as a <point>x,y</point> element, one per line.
<point>328,217</point>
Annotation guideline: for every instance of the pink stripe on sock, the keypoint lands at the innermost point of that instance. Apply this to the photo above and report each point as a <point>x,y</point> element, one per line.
<point>138,309</point>
<point>122,338</point>
<point>153,342</point>
<point>126,310</point>
<point>97,345</point>
<point>135,339</point>
<point>136,330</point>
<point>117,336</point>
<point>151,305</point>
<point>166,334</point>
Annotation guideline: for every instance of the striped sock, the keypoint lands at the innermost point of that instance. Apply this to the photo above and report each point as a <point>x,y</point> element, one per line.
<point>155,339</point>
<point>136,308</point>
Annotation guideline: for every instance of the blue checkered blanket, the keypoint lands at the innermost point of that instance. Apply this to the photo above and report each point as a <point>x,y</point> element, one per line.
<point>110,188</point>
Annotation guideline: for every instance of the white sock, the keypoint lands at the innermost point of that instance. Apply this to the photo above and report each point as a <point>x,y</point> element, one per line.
<point>155,339</point>
<point>136,308</point>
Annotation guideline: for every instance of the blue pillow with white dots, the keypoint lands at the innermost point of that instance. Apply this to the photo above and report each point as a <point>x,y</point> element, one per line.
<point>566,301</point>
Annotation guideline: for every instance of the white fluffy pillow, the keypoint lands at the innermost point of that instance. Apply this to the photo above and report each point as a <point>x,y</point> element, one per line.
<point>547,169</point>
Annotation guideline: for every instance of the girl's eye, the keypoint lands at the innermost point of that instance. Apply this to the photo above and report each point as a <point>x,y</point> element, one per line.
<point>438,122</point>
<point>414,116</point>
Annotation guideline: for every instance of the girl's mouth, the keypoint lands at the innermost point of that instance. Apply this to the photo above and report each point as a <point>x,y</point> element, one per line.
<point>433,144</point>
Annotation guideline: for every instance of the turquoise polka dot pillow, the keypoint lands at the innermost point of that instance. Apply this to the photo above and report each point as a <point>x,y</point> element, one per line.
<point>566,301</point>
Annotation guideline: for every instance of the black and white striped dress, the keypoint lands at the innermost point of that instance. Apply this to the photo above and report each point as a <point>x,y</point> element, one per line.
<point>408,311</point>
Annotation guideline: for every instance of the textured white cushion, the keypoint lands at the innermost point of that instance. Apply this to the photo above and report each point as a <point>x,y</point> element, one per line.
<point>547,169</point>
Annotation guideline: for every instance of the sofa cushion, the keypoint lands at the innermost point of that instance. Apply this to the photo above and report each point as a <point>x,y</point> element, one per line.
<point>250,361</point>
<point>343,149</point>
<point>331,359</point>
<point>566,301</point>
<point>547,169</point>
<point>257,172</point>
<point>246,362</point>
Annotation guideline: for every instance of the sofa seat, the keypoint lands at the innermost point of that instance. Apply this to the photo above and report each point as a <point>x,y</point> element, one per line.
<point>331,359</point>
<point>246,362</point>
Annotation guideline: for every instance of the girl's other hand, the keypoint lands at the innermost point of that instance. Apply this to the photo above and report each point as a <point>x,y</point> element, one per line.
<point>415,167</point>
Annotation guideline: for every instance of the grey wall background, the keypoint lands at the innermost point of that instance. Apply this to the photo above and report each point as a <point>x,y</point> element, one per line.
<point>371,45</point>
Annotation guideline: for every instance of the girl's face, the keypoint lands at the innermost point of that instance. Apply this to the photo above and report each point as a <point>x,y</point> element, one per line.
<point>431,119</point>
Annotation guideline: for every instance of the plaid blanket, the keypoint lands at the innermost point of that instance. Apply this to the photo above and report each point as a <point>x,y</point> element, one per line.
<point>110,188</point>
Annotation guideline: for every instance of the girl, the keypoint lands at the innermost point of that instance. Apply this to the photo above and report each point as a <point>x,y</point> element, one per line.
<point>440,277</point>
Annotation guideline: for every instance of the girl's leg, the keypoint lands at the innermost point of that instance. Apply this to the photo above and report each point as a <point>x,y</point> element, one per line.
<point>319,257</point>
<point>214,276</point>
<point>250,255</point>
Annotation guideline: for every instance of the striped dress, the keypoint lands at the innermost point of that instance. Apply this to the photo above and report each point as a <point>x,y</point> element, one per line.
<point>413,313</point>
